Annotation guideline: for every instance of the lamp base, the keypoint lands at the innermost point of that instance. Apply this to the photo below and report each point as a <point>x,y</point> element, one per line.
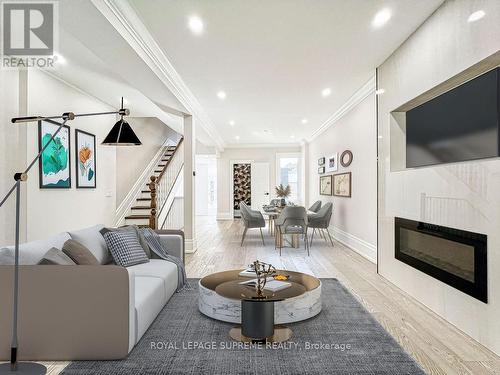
<point>23,368</point>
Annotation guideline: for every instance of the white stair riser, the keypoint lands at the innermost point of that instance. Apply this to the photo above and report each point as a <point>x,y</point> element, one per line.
<point>142,211</point>
<point>137,221</point>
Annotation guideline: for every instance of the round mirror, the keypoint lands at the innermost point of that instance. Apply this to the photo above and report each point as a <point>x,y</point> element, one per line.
<point>346,158</point>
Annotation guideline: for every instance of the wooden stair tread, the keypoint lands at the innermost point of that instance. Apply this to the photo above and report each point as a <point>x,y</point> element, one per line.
<point>143,199</point>
<point>145,191</point>
<point>136,217</point>
<point>140,207</point>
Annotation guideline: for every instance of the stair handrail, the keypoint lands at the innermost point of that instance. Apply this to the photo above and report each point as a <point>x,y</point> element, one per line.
<point>158,183</point>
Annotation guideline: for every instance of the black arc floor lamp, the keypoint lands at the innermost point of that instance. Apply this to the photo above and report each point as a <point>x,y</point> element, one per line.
<point>120,135</point>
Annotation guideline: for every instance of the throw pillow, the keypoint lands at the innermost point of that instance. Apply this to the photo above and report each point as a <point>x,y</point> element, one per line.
<point>79,253</point>
<point>125,248</point>
<point>136,230</point>
<point>56,257</point>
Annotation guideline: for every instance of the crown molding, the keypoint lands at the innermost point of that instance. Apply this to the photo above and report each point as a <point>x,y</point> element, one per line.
<point>122,16</point>
<point>360,95</point>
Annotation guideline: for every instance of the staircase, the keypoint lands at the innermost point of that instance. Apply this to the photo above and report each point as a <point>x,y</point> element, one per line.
<point>152,203</point>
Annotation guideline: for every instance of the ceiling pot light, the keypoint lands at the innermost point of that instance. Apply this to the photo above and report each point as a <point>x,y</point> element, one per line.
<point>381,18</point>
<point>304,121</point>
<point>231,123</point>
<point>59,59</point>
<point>221,95</point>
<point>195,24</point>
<point>292,136</point>
<point>476,16</point>
<point>237,137</point>
<point>326,92</point>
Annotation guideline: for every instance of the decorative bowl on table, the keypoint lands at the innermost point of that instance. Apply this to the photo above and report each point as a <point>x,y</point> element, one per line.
<point>281,277</point>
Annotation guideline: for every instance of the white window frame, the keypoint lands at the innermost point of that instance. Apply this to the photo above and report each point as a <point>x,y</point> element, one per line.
<point>298,155</point>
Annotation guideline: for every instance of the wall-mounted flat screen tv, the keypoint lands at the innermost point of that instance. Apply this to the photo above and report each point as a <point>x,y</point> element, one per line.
<point>461,124</point>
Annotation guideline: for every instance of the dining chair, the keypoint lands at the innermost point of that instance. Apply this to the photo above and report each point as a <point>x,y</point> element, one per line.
<point>315,206</point>
<point>321,221</point>
<point>293,220</point>
<point>251,219</point>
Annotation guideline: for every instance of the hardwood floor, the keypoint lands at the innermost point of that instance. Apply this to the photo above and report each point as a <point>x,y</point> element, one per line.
<point>438,346</point>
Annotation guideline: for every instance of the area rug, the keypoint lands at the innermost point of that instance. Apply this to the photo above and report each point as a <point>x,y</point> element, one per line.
<point>343,339</point>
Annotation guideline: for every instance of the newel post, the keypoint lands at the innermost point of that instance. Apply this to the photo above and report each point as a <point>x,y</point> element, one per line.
<point>152,216</point>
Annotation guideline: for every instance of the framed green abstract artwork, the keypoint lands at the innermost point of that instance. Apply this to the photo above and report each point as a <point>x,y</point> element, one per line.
<point>55,163</point>
<point>85,159</point>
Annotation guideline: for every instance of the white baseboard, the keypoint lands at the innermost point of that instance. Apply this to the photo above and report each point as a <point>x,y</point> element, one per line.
<point>224,216</point>
<point>191,245</point>
<point>363,248</point>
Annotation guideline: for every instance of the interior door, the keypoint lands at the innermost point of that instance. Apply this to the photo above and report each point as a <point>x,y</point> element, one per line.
<point>260,185</point>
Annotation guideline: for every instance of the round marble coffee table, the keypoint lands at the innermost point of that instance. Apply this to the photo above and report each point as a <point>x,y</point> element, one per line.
<point>289,310</point>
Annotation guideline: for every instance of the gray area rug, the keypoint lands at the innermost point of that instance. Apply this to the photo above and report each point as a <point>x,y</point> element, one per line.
<point>343,339</point>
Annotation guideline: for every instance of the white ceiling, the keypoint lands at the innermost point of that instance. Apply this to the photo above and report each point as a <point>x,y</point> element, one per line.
<point>273,57</point>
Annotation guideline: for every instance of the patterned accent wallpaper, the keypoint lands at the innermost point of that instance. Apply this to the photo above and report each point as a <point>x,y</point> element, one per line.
<point>242,174</point>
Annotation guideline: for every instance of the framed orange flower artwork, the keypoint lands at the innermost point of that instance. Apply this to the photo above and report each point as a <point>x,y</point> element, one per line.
<point>85,160</point>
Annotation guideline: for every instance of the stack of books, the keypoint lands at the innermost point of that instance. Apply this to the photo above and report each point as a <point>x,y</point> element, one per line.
<point>271,284</point>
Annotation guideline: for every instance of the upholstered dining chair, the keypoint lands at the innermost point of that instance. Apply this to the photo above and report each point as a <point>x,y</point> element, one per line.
<point>321,221</point>
<point>315,206</point>
<point>293,220</point>
<point>251,219</point>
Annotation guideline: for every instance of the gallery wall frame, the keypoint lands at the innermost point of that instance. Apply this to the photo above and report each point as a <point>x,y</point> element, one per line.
<point>342,184</point>
<point>85,160</point>
<point>54,165</point>
<point>325,185</point>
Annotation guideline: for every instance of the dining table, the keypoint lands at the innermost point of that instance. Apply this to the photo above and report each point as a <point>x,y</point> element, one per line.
<point>293,240</point>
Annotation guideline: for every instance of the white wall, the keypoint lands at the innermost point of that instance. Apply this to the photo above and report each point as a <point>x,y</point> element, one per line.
<point>224,173</point>
<point>354,220</point>
<point>206,185</point>
<point>445,45</point>
<point>12,151</point>
<point>55,210</point>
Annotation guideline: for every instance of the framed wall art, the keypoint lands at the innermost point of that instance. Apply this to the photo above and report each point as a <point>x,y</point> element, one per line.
<point>321,161</point>
<point>342,185</point>
<point>321,170</point>
<point>325,185</point>
<point>346,158</point>
<point>332,163</point>
<point>54,163</point>
<point>85,159</point>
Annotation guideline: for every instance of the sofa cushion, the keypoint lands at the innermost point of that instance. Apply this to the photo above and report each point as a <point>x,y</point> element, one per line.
<point>79,253</point>
<point>149,300</point>
<point>56,257</point>
<point>162,269</point>
<point>31,253</point>
<point>92,239</point>
<point>125,248</point>
<point>135,229</point>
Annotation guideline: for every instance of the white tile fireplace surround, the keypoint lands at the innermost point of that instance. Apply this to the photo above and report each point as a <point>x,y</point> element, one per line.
<point>462,195</point>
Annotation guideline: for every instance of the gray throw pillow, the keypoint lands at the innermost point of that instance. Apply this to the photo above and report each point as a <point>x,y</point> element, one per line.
<point>136,230</point>
<point>125,248</point>
<point>79,253</point>
<point>56,257</point>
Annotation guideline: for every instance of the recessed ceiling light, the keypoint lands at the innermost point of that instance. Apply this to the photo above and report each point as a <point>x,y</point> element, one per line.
<point>231,123</point>
<point>237,137</point>
<point>292,136</point>
<point>381,18</point>
<point>195,24</point>
<point>304,121</point>
<point>59,59</point>
<point>221,95</point>
<point>476,16</point>
<point>380,137</point>
<point>326,92</point>
<point>379,91</point>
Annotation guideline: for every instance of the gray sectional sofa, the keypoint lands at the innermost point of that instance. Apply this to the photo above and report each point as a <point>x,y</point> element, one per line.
<point>83,312</point>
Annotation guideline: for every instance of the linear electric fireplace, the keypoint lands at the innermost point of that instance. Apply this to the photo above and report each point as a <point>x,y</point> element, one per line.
<point>455,257</point>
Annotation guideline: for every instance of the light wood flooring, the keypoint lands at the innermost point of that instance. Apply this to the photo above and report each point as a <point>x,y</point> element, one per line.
<point>438,346</point>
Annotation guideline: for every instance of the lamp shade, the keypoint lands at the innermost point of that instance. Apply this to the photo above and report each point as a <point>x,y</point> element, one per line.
<point>122,135</point>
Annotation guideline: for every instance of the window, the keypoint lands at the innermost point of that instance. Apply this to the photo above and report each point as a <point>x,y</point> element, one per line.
<point>289,173</point>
